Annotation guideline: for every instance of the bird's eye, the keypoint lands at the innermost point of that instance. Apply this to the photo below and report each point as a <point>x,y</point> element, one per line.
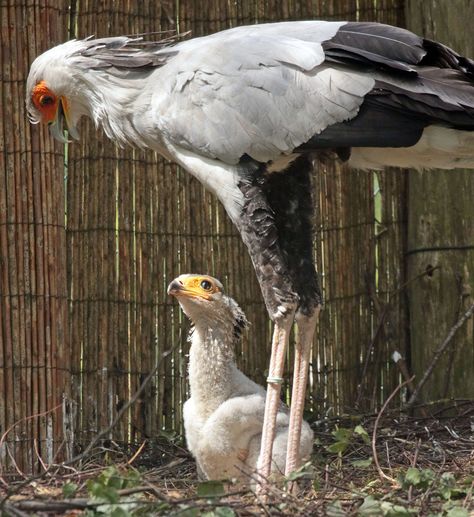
<point>46,100</point>
<point>206,285</point>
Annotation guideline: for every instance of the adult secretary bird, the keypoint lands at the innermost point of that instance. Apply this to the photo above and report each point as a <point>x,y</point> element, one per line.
<point>223,417</point>
<point>244,111</point>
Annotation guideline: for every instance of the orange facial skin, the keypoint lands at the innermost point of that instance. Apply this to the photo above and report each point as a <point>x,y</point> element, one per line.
<point>201,286</point>
<point>46,102</point>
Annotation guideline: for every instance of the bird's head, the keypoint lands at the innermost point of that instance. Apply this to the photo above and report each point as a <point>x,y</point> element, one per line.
<point>55,93</point>
<point>97,78</point>
<point>203,300</point>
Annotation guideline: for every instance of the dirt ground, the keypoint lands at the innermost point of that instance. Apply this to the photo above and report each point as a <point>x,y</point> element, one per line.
<point>395,465</point>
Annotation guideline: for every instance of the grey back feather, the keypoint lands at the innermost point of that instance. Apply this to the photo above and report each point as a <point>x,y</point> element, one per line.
<point>257,90</point>
<point>126,53</point>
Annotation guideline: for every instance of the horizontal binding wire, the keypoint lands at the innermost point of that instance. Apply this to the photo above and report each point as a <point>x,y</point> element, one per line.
<point>35,296</point>
<point>32,223</point>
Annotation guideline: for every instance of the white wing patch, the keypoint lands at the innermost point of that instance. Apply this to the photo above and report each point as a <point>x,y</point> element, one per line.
<point>260,92</point>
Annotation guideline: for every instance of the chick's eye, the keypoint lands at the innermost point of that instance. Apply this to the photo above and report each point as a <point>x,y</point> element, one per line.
<point>206,285</point>
<point>46,100</point>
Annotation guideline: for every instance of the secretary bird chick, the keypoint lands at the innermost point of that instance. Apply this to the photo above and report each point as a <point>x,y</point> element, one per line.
<point>223,418</point>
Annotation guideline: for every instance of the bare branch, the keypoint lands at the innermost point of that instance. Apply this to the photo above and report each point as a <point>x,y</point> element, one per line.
<point>444,345</point>
<point>374,433</point>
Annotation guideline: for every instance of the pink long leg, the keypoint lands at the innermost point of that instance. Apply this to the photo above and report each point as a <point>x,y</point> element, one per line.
<point>304,340</point>
<point>281,337</point>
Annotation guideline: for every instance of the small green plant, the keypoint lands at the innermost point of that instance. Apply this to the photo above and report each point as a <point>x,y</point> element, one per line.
<point>213,490</point>
<point>221,511</point>
<point>444,486</point>
<point>69,490</point>
<point>305,471</point>
<point>441,488</point>
<point>449,488</point>
<point>417,478</point>
<point>209,489</point>
<point>372,507</point>
<point>344,437</point>
<point>104,490</point>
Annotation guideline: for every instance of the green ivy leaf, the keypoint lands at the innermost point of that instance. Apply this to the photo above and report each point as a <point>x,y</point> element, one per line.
<point>338,447</point>
<point>210,489</point>
<point>69,490</point>
<point>187,511</point>
<point>342,434</point>
<point>448,489</point>
<point>362,463</point>
<point>457,511</point>
<point>305,470</point>
<point>395,510</point>
<point>132,479</point>
<point>118,511</point>
<point>448,479</point>
<point>221,511</point>
<point>335,510</point>
<point>427,476</point>
<point>370,507</point>
<point>412,476</point>
<point>360,431</point>
<point>102,493</point>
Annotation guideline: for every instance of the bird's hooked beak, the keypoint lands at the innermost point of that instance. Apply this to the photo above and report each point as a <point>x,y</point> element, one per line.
<point>61,122</point>
<point>175,287</point>
<point>190,286</point>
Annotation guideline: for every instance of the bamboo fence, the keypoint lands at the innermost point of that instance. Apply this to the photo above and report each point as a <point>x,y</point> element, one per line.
<point>35,363</point>
<point>91,235</point>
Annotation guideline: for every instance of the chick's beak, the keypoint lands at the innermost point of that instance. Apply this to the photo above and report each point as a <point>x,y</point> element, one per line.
<point>175,287</point>
<point>61,122</point>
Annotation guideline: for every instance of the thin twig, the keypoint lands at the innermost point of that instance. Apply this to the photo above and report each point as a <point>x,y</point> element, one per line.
<point>388,456</point>
<point>38,455</point>
<point>326,476</point>
<point>15,464</point>
<point>374,432</point>
<point>135,456</point>
<point>438,354</point>
<point>413,464</point>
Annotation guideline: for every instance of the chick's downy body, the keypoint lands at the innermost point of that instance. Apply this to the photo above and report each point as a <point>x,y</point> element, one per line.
<point>223,417</point>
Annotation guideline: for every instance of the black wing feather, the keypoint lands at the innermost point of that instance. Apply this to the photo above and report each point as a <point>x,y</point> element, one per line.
<point>387,46</point>
<point>420,82</point>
